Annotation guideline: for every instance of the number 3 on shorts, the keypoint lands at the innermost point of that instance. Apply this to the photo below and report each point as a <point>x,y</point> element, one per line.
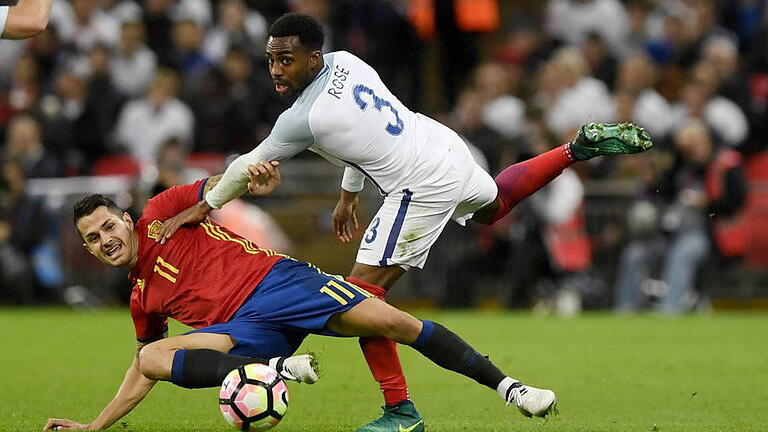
<point>370,236</point>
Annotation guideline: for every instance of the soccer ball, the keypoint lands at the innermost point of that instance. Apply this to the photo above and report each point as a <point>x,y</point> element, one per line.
<point>253,397</point>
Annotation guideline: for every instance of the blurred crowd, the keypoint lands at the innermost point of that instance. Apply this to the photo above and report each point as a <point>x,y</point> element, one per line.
<point>115,85</point>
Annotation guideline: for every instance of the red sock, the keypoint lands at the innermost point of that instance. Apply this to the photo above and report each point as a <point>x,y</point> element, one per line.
<point>522,179</point>
<point>381,356</point>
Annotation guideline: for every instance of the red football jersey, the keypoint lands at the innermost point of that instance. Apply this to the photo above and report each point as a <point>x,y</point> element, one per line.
<point>199,277</point>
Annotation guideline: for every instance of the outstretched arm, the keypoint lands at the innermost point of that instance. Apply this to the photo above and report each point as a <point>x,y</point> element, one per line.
<point>263,178</point>
<point>234,181</point>
<point>133,389</point>
<point>26,19</point>
<point>290,136</point>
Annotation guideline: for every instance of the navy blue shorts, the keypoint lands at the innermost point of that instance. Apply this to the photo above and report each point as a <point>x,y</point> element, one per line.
<point>293,300</point>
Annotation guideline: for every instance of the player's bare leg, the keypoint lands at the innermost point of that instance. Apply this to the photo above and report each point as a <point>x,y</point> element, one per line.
<point>200,360</point>
<point>522,179</point>
<point>382,358</point>
<point>381,276</point>
<point>446,349</point>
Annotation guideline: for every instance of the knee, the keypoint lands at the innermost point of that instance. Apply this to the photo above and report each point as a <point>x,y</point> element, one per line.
<point>151,362</point>
<point>400,327</point>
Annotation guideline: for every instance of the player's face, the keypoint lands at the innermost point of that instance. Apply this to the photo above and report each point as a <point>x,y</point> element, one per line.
<point>291,65</point>
<point>109,237</point>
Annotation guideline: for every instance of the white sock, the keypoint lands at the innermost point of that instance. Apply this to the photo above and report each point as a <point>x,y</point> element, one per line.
<point>504,386</point>
<point>273,363</point>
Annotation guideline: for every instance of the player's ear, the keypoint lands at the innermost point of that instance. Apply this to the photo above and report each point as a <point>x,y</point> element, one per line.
<point>315,59</point>
<point>88,249</point>
<point>127,219</point>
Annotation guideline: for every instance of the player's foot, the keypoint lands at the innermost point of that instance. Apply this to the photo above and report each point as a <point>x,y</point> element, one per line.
<point>532,401</point>
<point>402,417</point>
<point>301,368</point>
<point>603,139</point>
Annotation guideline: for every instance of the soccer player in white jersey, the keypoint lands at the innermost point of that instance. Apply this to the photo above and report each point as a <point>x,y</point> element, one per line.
<point>21,19</point>
<point>424,170</point>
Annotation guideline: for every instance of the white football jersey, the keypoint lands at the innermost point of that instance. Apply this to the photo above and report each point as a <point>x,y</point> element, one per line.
<point>3,18</point>
<point>348,116</point>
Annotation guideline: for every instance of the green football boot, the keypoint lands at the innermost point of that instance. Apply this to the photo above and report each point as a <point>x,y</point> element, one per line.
<point>603,139</point>
<point>402,417</point>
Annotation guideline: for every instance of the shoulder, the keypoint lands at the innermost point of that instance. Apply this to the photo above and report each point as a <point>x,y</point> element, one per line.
<point>179,108</point>
<point>292,124</point>
<point>136,107</point>
<point>346,60</point>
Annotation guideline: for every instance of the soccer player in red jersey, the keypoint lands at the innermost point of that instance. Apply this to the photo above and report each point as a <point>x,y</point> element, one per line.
<point>247,304</point>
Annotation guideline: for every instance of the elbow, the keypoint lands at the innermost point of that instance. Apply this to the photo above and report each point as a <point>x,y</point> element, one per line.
<point>39,22</point>
<point>26,28</point>
<point>38,25</point>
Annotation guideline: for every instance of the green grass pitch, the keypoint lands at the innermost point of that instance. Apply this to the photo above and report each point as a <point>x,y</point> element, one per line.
<point>639,373</point>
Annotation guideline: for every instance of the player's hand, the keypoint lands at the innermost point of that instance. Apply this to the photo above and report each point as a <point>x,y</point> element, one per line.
<point>194,214</point>
<point>344,212</point>
<point>64,424</point>
<point>265,177</point>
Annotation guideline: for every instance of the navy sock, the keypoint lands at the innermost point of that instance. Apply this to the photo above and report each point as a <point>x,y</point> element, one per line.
<point>201,368</point>
<point>448,350</point>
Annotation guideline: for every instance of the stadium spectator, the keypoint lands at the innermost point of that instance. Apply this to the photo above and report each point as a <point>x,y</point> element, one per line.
<point>71,120</point>
<point>700,100</point>
<point>83,25</point>
<point>602,63</point>
<point>238,28</point>
<point>187,57</point>
<point>121,11</point>
<point>133,64</point>
<point>251,106</point>
<point>30,270</point>
<point>704,183</point>
<point>559,210</point>
<point>636,78</point>
<point>565,84</point>
<point>722,53</point>
<point>570,21</point>
<point>501,111</point>
<point>102,93</point>
<point>24,146</point>
<point>158,24</point>
<point>380,31</point>
<point>171,167</point>
<point>638,13</point>
<point>144,124</point>
<point>25,86</point>
<point>467,119</point>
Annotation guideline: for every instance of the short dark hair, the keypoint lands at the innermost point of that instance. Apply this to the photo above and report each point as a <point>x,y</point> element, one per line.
<point>309,31</point>
<point>88,204</point>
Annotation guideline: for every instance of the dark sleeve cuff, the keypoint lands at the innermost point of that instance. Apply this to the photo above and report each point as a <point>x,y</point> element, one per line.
<point>202,188</point>
<point>153,338</point>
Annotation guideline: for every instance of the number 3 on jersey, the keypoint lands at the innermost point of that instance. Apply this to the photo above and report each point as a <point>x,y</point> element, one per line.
<point>360,90</point>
